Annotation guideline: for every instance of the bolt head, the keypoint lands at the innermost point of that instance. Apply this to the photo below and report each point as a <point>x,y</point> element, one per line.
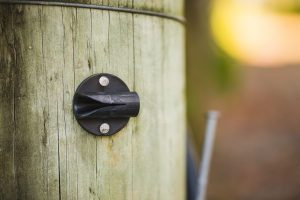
<point>104,81</point>
<point>104,128</point>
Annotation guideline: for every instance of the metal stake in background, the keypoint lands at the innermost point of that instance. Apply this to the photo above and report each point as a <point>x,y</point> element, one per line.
<point>211,123</point>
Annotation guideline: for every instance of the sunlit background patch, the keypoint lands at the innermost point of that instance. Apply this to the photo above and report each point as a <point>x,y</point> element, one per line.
<point>258,33</point>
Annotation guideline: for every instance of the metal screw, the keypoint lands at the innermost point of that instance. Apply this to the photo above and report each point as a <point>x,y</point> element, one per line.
<point>104,128</point>
<point>104,81</point>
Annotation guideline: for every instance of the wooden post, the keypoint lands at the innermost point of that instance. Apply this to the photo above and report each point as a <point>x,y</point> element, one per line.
<point>45,52</point>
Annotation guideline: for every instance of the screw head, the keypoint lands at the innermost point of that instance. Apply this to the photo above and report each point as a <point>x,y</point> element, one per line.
<point>104,81</point>
<point>104,128</point>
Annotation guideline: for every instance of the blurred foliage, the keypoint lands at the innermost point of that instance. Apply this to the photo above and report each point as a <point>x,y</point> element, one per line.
<point>210,71</point>
<point>290,6</point>
<point>224,70</point>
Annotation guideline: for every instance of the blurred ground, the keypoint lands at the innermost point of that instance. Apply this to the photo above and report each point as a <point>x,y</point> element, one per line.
<point>258,143</point>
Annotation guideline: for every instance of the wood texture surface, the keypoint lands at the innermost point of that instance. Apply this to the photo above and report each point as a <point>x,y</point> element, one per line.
<point>171,7</point>
<point>45,52</point>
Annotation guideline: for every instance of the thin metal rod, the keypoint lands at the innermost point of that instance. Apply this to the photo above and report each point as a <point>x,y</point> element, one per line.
<point>99,7</point>
<point>211,124</point>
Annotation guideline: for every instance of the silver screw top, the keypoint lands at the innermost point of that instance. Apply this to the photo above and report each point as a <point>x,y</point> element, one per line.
<point>104,81</point>
<point>104,128</point>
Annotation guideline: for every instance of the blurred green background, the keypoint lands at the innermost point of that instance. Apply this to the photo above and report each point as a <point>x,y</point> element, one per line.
<point>243,59</point>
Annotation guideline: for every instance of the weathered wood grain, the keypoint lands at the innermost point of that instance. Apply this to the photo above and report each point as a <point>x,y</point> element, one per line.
<point>45,52</point>
<point>172,7</point>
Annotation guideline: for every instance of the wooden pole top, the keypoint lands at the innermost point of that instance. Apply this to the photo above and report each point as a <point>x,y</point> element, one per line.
<point>173,8</point>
